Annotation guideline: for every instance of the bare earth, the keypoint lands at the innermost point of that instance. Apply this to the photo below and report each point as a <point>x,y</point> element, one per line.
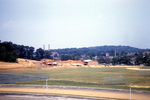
<point>138,69</point>
<point>89,93</point>
<point>33,64</point>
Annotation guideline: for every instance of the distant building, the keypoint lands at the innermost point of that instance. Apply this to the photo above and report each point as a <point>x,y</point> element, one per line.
<point>131,54</point>
<point>107,54</point>
<point>146,52</point>
<point>133,60</point>
<point>83,57</point>
<point>55,55</point>
<point>90,62</point>
<point>96,57</point>
<point>111,57</point>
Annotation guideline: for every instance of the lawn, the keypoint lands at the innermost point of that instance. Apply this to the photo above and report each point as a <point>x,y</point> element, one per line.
<point>92,77</point>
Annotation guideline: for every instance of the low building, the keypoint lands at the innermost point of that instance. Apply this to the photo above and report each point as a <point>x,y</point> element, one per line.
<point>146,52</point>
<point>133,60</point>
<point>55,55</point>
<point>90,62</point>
<point>83,57</point>
<point>107,54</point>
<point>49,62</point>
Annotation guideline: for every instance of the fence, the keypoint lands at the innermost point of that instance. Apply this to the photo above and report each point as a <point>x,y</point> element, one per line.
<point>22,76</point>
<point>144,73</point>
<point>114,80</point>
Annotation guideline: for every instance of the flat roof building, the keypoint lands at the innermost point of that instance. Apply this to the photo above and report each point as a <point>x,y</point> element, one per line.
<point>90,62</point>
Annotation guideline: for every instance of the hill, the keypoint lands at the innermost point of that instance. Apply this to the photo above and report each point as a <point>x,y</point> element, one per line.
<point>98,50</point>
<point>21,64</point>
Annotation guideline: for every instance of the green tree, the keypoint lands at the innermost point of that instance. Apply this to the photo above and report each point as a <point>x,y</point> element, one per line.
<point>145,58</point>
<point>31,51</point>
<point>77,57</point>
<point>139,59</point>
<point>55,55</point>
<point>124,59</point>
<point>111,53</point>
<point>8,52</point>
<point>2,53</point>
<point>40,54</point>
<point>148,61</point>
<point>65,57</point>
<point>135,54</point>
<point>107,60</point>
<point>47,55</point>
<point>123,53</point>
<point>101,59</point>
<point>115,60</point>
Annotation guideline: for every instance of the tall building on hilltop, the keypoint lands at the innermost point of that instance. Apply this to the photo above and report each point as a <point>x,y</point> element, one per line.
<point>115,52</point>
<point>44,47</point>
<point>48,47</point>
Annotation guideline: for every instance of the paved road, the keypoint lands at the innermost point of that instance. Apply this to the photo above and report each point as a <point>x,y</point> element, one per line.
<point>19,96</point>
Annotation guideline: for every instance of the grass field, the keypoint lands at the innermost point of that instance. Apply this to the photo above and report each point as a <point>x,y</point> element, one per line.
<point>94,77</point>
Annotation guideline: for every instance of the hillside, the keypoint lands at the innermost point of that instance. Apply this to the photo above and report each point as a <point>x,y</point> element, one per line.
<point>98,50</point>
<point>21,64</point>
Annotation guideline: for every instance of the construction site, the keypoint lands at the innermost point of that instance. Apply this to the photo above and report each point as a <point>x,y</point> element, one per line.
<point>46,64</point>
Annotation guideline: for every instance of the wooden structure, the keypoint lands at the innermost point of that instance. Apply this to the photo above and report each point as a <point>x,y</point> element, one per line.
<point>90,62</point>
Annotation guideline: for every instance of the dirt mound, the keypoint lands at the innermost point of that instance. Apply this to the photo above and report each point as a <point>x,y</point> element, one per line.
<point>27,62</point>
<point>22,64</point>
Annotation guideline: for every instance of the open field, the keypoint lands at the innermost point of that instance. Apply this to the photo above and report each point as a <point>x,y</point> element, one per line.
<point>85,76</point>
<point>94,77</point>
<point>82,76</point>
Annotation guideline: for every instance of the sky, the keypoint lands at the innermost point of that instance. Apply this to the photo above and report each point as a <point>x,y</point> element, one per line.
<point>75,23</point>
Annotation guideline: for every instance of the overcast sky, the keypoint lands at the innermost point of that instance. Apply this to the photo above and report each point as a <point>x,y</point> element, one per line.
<point>75,23</point>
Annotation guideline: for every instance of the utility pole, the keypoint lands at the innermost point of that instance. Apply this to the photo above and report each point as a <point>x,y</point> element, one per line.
<point>46,87</point>
<point>130,91</point>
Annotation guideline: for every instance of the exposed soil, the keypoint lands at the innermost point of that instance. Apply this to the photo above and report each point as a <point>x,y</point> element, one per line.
<point>23,64</point>
<point>87,93</point>
<point>138,69</point>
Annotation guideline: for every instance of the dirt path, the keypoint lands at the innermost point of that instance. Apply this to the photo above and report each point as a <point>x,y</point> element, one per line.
<point>138,69</point>
<point>91,93</point>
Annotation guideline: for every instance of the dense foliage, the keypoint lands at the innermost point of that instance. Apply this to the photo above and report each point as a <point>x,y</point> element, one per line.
<point>9,52</point>
<point>98,50</point>
<point>124,59</point>
<point>140,59</point>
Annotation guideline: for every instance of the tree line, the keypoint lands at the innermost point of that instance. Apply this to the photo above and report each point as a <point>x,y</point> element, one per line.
<point>98,50</point>
<point>139,58</point>
<point>76,56</point>
<point>121,58</point>
<point>142,59</point>
<point>9,52</point>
